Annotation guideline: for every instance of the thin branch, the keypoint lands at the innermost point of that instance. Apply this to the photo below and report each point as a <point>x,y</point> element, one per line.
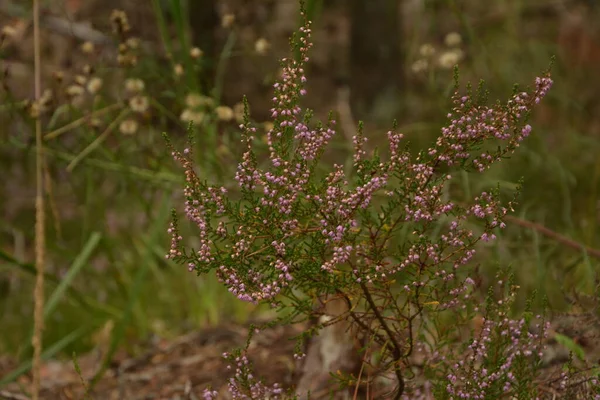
<point>358,321</point>
<point>397,350</point>
<point>553,235</point>
<point>4,394</point>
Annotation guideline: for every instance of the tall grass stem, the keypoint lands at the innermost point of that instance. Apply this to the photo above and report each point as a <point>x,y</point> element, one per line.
<point>40,242</point>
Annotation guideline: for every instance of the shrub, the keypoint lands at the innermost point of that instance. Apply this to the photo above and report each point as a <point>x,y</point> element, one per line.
<point>382,238</point>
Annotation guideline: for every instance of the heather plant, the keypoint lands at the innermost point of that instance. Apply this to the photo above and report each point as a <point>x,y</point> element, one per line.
<point>502,357</point>
<point>383,237</point>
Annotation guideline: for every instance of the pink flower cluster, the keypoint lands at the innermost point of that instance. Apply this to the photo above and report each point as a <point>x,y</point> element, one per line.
<point>244,386</point>
<point>491,364</point>
<point>472,124</point>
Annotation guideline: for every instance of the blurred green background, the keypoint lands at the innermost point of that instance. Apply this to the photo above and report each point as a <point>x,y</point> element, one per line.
<point>111,182</point>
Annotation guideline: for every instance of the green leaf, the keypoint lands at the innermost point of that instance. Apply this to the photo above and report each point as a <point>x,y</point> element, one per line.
<point>570,345</point>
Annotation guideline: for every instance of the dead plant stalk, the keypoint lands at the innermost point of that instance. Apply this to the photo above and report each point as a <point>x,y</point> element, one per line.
<point>39,216</point>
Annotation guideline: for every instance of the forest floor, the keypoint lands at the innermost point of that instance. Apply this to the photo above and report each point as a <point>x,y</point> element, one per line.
<point>180,368</point>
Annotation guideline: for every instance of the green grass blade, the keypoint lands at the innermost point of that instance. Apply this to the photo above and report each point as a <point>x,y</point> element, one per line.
<point>85,302</point>
<point>75,268</point>
<point>65,283</point>
<point>136,289</point>
<point>178,12</point>
<point>162,26</point>
<point>222,66</point>
<point>570,345</point>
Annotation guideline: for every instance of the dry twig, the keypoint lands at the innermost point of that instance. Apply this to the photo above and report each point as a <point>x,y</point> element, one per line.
<point>554,235</point>
<point>4,394</point>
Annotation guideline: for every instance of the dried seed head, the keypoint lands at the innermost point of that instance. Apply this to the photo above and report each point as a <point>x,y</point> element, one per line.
<point>133,43</point>
<point>426,50</point>
<point>87,47</point>
<point>127,60</point>
<point>195,100</point>
<point>80,80</point>
<point>261,46</point>
<point>178,70</point>
<point>450,58</point>
<point>88,69</point>
<point>196,53</point>
<point>134,85</point>
<point>128,127</point>
<point>8,31</point>
<point>419,66</point>
<point>34,109</point>
<point>46,97</point>
<point>192,116</point>
<point>224,113</point>
<point>119,21</point>
<point>74,90</point>
<point>227,20</point>
<point>94,85</point>
<point>139,104</point>
<point>453,39</point>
